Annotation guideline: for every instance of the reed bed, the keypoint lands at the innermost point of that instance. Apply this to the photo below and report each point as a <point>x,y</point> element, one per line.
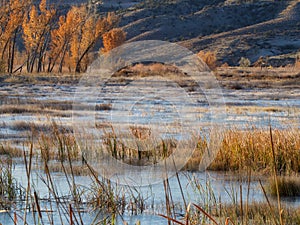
<point>10,190</point>
<point>211,210</point>
<point>52,152</point>
<point>258,213</point>
<point>239,151</point>
<point>251,151</point>
<point>251,148</point>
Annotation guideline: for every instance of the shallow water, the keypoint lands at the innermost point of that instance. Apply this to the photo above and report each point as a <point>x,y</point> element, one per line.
<point>207,188</point>
<point>168,113</point>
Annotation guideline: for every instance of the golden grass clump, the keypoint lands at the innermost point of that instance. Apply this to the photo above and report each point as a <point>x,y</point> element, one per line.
<point>154,68</point>
<point>12,152</point>
<point>243,149</point>
<point>209,58</point>
<point>59,145</point>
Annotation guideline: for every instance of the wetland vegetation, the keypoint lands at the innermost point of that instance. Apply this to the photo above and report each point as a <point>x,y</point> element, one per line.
<point>37,138</point>
<point>45,176</point>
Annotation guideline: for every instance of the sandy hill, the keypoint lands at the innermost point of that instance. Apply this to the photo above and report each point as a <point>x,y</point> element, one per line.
<point>232,28</point>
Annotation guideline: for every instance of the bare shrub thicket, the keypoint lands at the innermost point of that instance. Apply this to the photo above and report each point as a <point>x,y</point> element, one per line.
<point>244,62</point>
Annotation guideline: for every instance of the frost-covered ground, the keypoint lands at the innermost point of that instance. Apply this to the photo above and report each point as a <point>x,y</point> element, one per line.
<point>41,100</point>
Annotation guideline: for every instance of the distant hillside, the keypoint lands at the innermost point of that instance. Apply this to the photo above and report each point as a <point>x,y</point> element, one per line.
<point>232,28</point>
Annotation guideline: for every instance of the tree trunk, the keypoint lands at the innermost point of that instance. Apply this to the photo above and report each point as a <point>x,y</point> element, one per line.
<point>78,67</point>
<point>62,60</point>
<point>12,56</point>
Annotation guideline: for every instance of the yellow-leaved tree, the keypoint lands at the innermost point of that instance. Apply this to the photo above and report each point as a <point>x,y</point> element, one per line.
<point>36,35</point>
<point>60,39</point>
<point>75,36</point>
<point>91,29</point>
<point>113,39</point>
<point>11,17</point>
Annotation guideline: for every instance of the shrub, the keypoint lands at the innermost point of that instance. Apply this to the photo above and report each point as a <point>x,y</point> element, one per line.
<point>225,65</point>
<point>209,58</point>
<point>244,62</point>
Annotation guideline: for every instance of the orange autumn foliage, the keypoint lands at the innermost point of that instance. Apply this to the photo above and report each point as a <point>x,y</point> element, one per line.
<point>113,39</point>
<point>50,42</point>
<point>71,44</point>
<point>209,58</point>
<point>36,29</point>
<point>11,17</point>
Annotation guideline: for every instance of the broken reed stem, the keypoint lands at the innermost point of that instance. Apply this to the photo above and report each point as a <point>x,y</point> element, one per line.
<point>248,193</point>
<point>241,202</point>
<point>168,208</point>
<point>206,214</point>
<point>180,186</point>
<point>74,191</point>
<point>28,173</point>
<point>71,214</point>
<point>38,209</point>
<point>15,218</point>
<point>275,177</point>
<point>181,191</point>
<point>72,186</point>
<point>269,204</point>
<point>51,188</point>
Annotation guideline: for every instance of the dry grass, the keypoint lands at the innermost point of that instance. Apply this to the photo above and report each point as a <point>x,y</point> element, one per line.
<point>258,213</point>
<point>241,150</point>
<point>59,145</point>
<point>76,169</point>
<point>17,109</point>
<point>154,68</point>
<point>236,78</point>
<point>35,127</point>
<point>12,152</point>
<point>34,106</point>
<point>254,77</point>
<point>41,78</point>
<point>209,58</point>
<point>251,148</point>
<point>252,109</point>
<point>10,190</point>
<point>117,148</point>
<point>172,73</point>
